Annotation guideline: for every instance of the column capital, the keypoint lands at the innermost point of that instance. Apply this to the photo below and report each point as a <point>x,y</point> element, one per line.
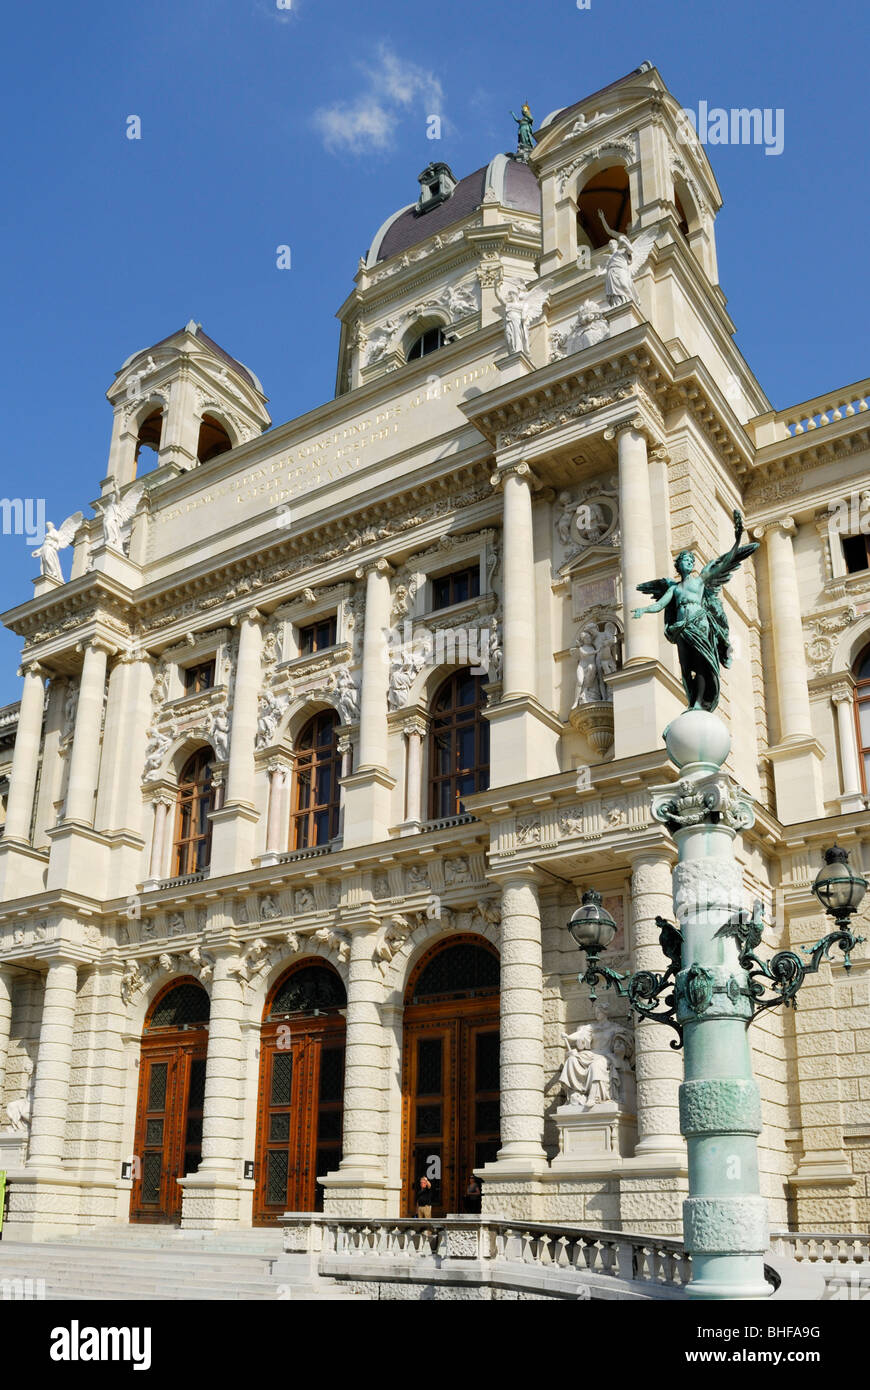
<point>379,566</point>
<point>33,668</point>
<point>97,644</point>
<point>786,524</point>
<point>128,655</point>
<point>416,724</point>
<point>521,470</point>
<point>843,691</point>
<point>278,765</point>
<point>247,615</point>
<point>632,422</point>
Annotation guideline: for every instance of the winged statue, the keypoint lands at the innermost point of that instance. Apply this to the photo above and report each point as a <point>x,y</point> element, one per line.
<point>117,512</point>
<point>523,306</point>
<point>695,619</point>
<point>628,256</point>
<point>57,538</point>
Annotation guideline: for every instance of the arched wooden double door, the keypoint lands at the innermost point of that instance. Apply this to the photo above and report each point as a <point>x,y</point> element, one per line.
<point>301,1093</point>
<point>450,1072</point>
<point>168,1139</point>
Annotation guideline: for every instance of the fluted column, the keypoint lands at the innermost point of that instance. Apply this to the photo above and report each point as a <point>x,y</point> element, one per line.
<point>163,808</point>
<point>25,758</point>
<point>50,1102</point>
<point>852,797</point>
<point>637,549</point>
<point>797,756</point>
<point>240,774</point>
<point>84,766</point>
<point>375,667</point>
<point>276,817</point>
<point>518,669</point>
<point>658,1066</point>
<point>522,1025</point>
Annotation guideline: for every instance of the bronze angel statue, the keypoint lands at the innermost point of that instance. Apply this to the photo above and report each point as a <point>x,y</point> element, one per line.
<point>695,619</point>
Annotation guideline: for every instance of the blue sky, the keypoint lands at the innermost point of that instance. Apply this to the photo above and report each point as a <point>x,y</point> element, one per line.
<point>306,126</point>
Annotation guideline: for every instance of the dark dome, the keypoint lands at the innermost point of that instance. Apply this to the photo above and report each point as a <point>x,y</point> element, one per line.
<point>515,186</point>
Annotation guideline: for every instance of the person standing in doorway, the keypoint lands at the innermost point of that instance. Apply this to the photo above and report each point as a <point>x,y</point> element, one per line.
<point>424,1198</point>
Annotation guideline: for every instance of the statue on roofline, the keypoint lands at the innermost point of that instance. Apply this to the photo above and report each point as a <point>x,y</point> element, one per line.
<point>525,138</point>
<point>695,619</point>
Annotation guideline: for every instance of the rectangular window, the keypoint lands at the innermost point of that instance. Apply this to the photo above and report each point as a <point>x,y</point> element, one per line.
<point>456,587</point>
<point>319,635</point>
<point>199,678</point>
<point>856,552</point>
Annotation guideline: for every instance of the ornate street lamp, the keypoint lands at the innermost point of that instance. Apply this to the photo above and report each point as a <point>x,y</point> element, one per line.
<point>838,889</point>
<point>593,929</point>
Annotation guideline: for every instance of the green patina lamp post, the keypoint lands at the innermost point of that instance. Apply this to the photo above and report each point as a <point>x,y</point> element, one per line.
<point>714,985</point>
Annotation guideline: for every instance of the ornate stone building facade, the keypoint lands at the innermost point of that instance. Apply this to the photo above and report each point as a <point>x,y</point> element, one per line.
<point>333,721</point>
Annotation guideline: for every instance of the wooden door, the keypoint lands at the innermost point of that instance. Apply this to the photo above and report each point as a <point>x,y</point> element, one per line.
<point>450,1086</point>
<point>300,1109</point>
<point>168,1141</point>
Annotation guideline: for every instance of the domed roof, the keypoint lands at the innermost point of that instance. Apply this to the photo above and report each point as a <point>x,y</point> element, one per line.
<point>512,181</point>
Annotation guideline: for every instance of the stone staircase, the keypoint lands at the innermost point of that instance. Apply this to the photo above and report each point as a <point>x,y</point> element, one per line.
<point>136,1263</point>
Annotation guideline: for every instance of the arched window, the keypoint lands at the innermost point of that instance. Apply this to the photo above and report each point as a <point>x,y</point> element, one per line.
<point>430,341</point>
<point>609,192</point>
<point>318,769</point>
<point>193,827</point>
<point>213,439</point>
<point>862,713</point>
<point>149,436</point>
<point>458,744</point>
<point>182,1004</point>
<point>681,215</point>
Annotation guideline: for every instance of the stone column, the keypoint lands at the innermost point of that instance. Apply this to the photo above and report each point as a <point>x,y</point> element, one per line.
<point>524,734</point>
<point>235,821</point>
<point>843,697</point>
<point>375,667</point>
<point>84,769</point>
<point>646,694</point>
<point>5,1021</point>
<point>797,757</point>
<point>53,1063</point>
<point>367,792</point>
<point>240,773</point>
<point>25,758</point>
<point>361,1174</point>
<point>522,1027</point>
<point>414,729</point>
<point>637,550</point>
<point>658,1067</point>
<point>128,712</point>
<point>163,807</point>
<point>275,843</point>
<point>212,1194</point>
<point>518,669</point>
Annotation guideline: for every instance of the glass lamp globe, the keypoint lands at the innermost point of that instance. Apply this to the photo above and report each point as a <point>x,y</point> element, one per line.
<point>838,889</point>
<point>591,926</point>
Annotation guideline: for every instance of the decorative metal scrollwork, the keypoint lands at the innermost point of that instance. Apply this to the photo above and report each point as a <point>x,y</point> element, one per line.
<point>644,989</point>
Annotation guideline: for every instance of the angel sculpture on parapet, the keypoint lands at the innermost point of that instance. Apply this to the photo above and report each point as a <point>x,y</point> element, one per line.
<point>56,538</point>
<point>695,619</point>
<point>627,259</point>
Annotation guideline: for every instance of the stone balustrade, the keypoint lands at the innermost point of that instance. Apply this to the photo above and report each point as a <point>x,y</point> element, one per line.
<point>528,1259</point>
<point>824,410</point>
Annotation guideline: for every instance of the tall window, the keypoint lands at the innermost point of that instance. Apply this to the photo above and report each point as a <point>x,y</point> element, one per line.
<point>862,713</point>
<point>458,744</point>
<point>456,587</point>
<point>193,827</point>
<point>430,341</point>
<point>198,678</point>
<point>856,552</point>
<point>318,768</point>
<point>316,636</point>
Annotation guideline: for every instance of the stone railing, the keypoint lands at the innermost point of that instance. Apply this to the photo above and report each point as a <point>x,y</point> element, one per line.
<point>824,410</point>
<point>821,1246</point>
<point>493,1258</point>
<point>831,1265</point>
